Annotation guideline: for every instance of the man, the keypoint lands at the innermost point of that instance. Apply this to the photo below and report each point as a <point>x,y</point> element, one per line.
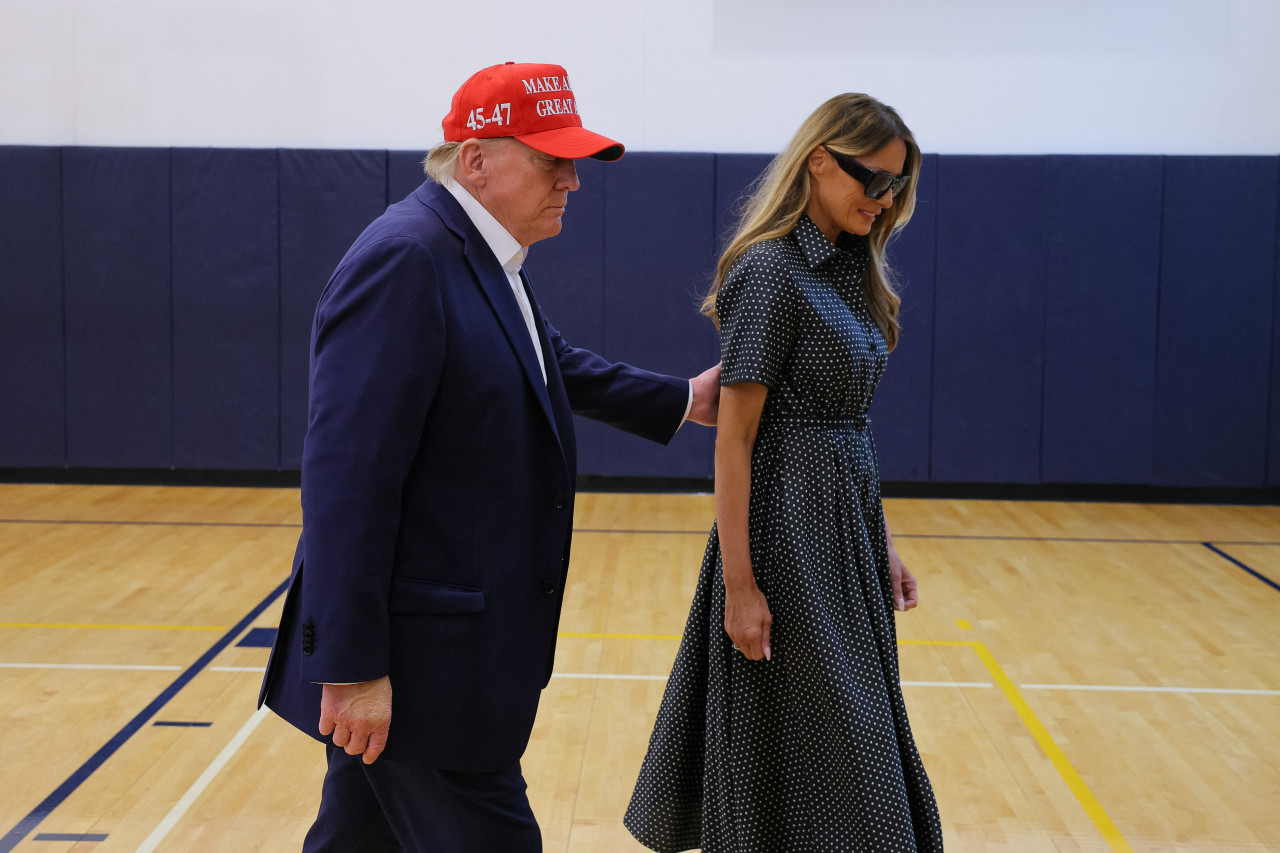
<point>438,482</point>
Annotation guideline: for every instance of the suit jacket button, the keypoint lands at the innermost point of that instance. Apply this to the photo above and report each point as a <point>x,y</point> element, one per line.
<point>307,648</point>
<point>561,502</point>
<point>548,588</point>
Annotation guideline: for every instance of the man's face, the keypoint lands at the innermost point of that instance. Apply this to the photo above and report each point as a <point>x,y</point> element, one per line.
<point>526,190</point>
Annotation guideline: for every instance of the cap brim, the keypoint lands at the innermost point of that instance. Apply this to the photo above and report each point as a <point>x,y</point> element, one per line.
<point>573,143</point>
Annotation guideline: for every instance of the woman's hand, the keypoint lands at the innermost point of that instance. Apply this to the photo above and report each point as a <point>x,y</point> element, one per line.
<point>906,595</point>
<point>747,621</point>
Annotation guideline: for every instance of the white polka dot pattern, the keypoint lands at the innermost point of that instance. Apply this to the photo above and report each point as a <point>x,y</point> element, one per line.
<point>811,751</point>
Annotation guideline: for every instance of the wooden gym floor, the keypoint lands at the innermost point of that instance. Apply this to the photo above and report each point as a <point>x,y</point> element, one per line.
<point>1080,677</point>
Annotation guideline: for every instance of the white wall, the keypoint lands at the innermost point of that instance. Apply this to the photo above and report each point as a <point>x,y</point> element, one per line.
<point>969,76</point>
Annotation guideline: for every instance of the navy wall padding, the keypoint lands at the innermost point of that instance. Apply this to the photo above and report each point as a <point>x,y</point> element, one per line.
<point>900,420</point>
<point>734,176</point>
<point>226,309</point>
<point>327,198</point>
<point>1100,320</point>
<point>566,273</point>
<point>1216,321</point>
<point>404,173</point>
<point>1065,319</point>
<point>118,307</point>
<point>989,319</point>
<point>32,420</point>
<point>659,253</point>
<point>1273,443</point>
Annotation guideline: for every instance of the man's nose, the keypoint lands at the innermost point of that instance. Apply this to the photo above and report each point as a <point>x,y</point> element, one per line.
<point>568,176</point>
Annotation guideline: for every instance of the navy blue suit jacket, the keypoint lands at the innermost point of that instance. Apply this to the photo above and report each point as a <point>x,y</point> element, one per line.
<point>437,489</point>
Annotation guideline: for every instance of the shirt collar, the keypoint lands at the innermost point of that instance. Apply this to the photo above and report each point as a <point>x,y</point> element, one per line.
<point>505,248</point>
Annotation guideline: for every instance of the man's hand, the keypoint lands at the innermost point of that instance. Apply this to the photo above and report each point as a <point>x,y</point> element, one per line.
<point>358,716</point>
<point>706,396</point>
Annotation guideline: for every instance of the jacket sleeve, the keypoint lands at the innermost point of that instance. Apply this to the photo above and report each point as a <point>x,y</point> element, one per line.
<point>650,405</point>
<point>376,357</point>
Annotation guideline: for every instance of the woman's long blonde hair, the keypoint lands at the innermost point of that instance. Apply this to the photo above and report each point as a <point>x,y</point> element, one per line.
<point>851,124</point>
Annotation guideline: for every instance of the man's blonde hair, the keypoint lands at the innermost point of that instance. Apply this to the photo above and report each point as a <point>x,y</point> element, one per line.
<point>440,160</point>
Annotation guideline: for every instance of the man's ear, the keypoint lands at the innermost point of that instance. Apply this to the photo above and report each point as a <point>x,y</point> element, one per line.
<point>472,165</point>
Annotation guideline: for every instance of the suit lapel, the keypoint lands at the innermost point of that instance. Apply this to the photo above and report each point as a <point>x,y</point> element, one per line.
<point>493,282</point>
<point>561,413</point>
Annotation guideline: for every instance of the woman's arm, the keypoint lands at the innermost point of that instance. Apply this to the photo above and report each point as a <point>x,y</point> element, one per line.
<point>746,613</point>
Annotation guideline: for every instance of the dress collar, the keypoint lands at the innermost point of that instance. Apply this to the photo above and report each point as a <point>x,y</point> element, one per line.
<point>817,249</point>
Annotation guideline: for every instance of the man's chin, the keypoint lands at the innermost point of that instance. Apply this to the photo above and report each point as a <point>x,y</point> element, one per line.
<point>550,230</point>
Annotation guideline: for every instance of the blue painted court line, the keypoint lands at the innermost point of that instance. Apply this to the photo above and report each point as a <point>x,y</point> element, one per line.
<point>177,723</point>
<point>261,638</point>
<point>14,836</point>
<point>71,836</point>
<point>1268,581</point>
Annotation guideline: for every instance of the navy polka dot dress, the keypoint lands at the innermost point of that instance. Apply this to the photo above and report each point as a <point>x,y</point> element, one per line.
<point>812,750</point>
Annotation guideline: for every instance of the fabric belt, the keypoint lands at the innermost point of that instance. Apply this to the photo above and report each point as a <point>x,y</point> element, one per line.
<point>858,422</point>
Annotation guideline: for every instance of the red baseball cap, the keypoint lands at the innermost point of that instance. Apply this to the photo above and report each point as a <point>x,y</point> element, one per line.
<point>530,102</point>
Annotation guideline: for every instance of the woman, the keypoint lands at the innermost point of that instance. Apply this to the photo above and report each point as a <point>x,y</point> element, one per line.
<point>783,726</point>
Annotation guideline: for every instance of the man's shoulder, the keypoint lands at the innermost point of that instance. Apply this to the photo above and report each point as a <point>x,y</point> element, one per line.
<point>413,224</point>
<point>420,216</point>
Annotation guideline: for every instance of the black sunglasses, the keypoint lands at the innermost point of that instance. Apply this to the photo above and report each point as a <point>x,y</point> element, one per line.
<point>875,182</point>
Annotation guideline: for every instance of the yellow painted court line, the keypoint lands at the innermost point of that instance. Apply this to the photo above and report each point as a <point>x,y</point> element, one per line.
<point>935,642</point>
<point>1051,749</point>
<point>1068,773</point>
<point>112,627</point>
<point>620,636</point>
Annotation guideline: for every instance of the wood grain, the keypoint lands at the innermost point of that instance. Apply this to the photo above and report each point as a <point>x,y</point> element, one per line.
<point>1068,598</point>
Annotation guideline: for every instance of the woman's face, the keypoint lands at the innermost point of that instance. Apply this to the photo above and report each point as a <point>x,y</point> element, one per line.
<point>838,202</point>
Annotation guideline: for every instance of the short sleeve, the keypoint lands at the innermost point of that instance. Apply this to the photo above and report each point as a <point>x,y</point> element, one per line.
<point>758,319</point>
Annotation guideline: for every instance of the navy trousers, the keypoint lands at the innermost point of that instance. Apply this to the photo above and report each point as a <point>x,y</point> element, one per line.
<point>385,807</point>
